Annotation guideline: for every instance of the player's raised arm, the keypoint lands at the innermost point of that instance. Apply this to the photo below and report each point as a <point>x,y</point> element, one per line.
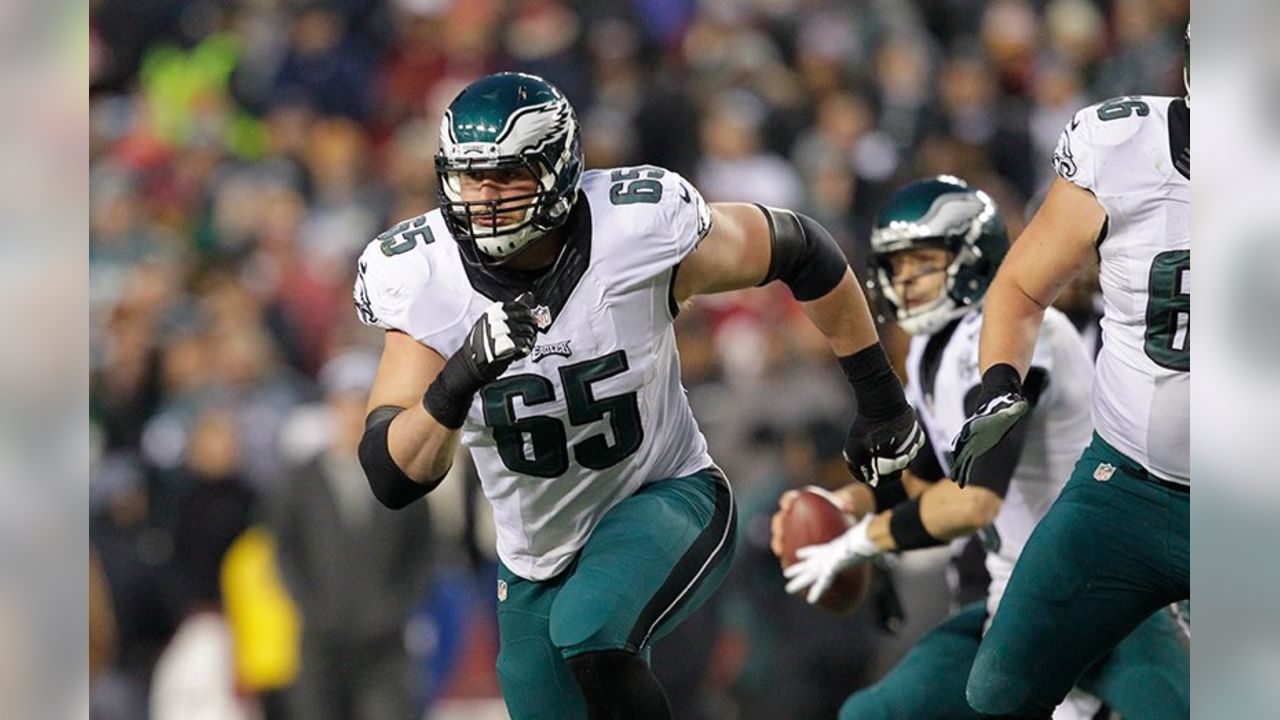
<point>1053,249</point>
<point>750,245</point>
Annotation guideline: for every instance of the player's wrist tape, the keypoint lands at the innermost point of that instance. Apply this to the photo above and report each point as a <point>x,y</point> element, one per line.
<point>804,256</point>
<point>875,385</point>
<point>907,528</point>
<point>448,398</point>
<point>389,483</point>
<point>1001,379</point>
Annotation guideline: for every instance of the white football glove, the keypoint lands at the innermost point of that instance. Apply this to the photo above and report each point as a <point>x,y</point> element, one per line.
<point>816,566</point>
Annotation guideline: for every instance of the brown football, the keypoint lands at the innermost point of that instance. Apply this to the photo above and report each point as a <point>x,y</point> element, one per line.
<point>813,518</point>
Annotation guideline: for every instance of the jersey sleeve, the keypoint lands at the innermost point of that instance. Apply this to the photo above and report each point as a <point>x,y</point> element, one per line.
<point>1073,159</point>
<point>1102,149</point>
<point>403,283</point>
<point>666,218</point>
<point>689,220</point>
<point>381,295</point>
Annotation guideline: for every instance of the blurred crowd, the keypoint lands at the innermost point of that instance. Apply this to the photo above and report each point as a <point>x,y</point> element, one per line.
<point>243,152</point>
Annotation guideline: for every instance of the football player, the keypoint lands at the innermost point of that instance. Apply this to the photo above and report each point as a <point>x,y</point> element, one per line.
<point>935,247</point>
<point>529,318</point>
<point>1115,546</point>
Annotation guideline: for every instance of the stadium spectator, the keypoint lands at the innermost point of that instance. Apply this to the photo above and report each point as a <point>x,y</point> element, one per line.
<point>355,569</point>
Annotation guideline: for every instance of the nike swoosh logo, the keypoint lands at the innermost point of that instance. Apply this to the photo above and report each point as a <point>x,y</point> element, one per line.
<point>1075,123</point>
<point>684,194</point>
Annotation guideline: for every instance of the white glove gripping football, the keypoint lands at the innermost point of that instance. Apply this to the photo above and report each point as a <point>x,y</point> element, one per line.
<point>816,566</point>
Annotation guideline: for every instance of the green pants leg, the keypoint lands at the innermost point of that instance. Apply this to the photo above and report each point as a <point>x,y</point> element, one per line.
<point>1148,675</point>
<point>928,684</point>
<point>650,562</point>
<point>1112,550</point>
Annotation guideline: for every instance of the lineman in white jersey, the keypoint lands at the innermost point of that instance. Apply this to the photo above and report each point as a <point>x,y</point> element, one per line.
<point>935,248</point>
<point>1116,546</point>
<point>530,319</point>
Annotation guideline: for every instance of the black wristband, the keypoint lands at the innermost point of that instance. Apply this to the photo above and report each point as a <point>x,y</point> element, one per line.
<point>448,398</point>
<point>876,387</point>
<point>907,528</point>
<point>1000,379</point>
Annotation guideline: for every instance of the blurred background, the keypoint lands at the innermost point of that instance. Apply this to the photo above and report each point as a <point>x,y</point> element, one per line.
<point>243,152</point>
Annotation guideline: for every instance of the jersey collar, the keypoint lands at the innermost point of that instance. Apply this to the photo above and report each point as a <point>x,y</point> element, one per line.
<point>553,287</point>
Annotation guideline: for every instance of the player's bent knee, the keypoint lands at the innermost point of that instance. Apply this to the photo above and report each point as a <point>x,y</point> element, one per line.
<point>992,692</point>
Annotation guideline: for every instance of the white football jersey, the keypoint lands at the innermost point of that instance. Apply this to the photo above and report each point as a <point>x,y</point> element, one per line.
<point>1059,430</point>
<point>1133,154</point>
<point>596,410</point>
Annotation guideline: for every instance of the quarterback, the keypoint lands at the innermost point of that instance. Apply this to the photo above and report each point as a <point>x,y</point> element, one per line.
<point>936,246</point>
<point>529,319</point>
<point>1115,546</point>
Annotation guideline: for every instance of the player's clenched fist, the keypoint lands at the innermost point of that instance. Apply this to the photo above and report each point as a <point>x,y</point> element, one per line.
<point>502,335</point>
<point>878,449</point>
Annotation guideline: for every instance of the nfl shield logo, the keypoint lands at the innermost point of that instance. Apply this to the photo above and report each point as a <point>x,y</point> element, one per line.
<point>1104,472</point>
<point>502,591</point>
<point>542,317</point>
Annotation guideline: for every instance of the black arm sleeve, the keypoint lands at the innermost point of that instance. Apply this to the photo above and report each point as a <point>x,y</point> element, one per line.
<point>389,483</point>
<point>994,469</point>
<point>804,256</point>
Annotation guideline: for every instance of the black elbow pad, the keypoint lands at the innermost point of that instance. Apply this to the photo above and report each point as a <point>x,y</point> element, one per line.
<point>804,256</point>
<point>389,483</point>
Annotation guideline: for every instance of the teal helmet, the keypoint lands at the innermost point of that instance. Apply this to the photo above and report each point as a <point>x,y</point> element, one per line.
<point>508,121</point>
<point>941,212</point>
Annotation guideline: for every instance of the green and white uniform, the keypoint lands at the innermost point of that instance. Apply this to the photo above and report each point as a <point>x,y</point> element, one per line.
<point>596,410</point>
<point>1059,431</point>
<point>942,370</point>
<point>1115,546</point>
<point>1120,152</point>
<point>612,521</point>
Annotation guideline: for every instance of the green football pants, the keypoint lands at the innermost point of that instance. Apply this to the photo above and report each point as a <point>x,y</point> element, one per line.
<point>1113,549</point>
<point>1146,676</point>
<point>650,562</point>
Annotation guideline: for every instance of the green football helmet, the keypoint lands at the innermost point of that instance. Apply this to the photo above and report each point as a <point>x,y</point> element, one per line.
<point>941,212</point>
<point>508,121</point>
